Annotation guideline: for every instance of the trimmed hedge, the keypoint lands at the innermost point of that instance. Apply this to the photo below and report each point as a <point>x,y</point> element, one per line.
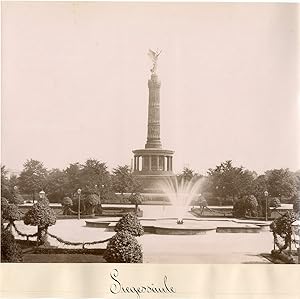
<point>11,213</point>
<point>11,252</point>
<point>130,223</point>
<point>275,202</point>
<point>123,248</point>
<point>40,215</point>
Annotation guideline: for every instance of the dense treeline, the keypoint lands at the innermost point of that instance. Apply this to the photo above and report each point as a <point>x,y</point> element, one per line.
<point>225,183</point>
<point>92,177</point>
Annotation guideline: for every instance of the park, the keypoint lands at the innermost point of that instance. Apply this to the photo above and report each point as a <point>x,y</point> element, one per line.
<point>215,181</point>
<point>216,227</point>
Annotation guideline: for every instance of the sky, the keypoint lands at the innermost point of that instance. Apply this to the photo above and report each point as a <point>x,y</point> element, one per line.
<point>74,83</point>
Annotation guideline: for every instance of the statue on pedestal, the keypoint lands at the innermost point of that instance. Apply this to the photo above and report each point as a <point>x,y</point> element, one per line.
<point>154,57</point>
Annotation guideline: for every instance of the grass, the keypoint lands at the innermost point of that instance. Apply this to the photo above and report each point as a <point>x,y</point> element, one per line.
<point>62,258</point>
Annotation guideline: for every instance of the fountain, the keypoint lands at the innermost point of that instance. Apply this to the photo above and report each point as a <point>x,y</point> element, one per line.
<point>180,194</point>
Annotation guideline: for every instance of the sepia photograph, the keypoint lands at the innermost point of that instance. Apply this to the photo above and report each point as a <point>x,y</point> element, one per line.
<point>155,133</point>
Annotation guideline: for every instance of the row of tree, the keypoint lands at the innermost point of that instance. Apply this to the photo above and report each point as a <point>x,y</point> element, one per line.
<point>229,182</point>
<point>92,177</point>
<point>225,181</point>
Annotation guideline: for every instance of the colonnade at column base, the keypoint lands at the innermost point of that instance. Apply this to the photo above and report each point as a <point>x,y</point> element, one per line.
<point>153,166</point>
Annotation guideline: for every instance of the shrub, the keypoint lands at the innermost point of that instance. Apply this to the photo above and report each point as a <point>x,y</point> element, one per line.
<point>284,257</point>
<point>11,213</point>
<point>251,206</point>
<point>4,204</point>
<point>123,248</point>
<point>17,197</point>
<point>91,201</point>
<point>296,206</point>
<point>202,202</point>
<point>42,216</point>
<point>246,206</point>
<point>282,230</point>
<point>67,203</point>
<point>10,250</point>
<point>275,202</point>
<point>136,199</point>
<point>262,207</point>
<point>130,223</point>
<point>239,208</point>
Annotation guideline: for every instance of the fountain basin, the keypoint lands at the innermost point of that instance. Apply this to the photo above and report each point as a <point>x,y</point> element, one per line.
<point>168,226</point>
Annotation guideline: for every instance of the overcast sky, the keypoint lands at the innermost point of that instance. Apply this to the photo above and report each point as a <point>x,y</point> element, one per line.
<point>74,83</point>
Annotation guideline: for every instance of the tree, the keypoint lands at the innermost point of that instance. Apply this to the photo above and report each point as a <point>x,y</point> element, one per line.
<point>42,216</point>
<point>281,182</point>
<point>187,174</point>
<point>17,197</point>
<point>95,178</point>
<point>73,178</point>
<point>56,186</point>
<point>33,177</point>
<point>296,204</point>
<point>227,181</point>
<point>124,181</point>
<point>6,191</point>
<point>297,176</point>
<point>260,185</point>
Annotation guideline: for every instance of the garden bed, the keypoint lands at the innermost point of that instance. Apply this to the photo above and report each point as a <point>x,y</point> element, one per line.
<point>34,254</point>
<point>62,258</point>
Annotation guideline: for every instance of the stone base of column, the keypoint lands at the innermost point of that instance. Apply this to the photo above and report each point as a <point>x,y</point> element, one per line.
<point>154,184</point>
<point>154,173</point>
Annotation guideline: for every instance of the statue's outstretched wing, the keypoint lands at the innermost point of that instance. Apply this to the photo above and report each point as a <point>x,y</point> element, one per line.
<point>152,55</point>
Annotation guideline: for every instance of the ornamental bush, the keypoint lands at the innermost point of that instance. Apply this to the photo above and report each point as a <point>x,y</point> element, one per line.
<point>136,199</point>
<point>123,248</point>
<point>239,208</point>
<point>130,223</point>
<point>42,216</point>
<point>282,230</point>
<point>275,202</point>
<point>202,202</point>
<point>296,206</point>
<point>246,206</point>
<point>11,252</point>
<point>67,203</point>
<point>4,204</point>
<point>17,197</point>
<point>91,202</point>
<point>251,206</point>
<point>11,213</point>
